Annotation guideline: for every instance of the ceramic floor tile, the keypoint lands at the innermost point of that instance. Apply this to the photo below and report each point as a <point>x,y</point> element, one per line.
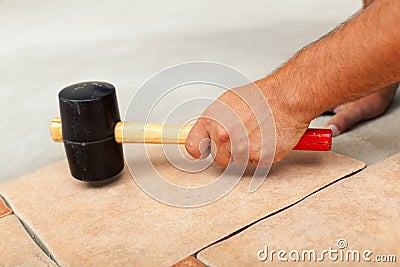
<point>119,224</point>
<point>16,246</point>
<point>4,209</point>
<point>362,209</point>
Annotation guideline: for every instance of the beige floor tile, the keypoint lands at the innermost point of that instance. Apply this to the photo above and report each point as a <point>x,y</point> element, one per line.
<point>119,224</point>
<point>16,246</point>
<point>362,209</point>
<point>4,209</point>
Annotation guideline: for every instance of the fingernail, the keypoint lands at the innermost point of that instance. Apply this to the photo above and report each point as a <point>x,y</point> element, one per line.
<point>334,128</point>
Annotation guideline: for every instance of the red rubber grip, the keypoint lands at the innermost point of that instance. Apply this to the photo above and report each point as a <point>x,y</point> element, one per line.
<point>315,140</point>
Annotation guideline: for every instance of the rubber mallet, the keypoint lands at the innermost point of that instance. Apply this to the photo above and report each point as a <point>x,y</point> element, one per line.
<point>93,133</point>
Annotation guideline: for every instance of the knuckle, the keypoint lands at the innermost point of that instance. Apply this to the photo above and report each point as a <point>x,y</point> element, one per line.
<point>255,157</point>
<point>220,155</point>
<point>222,161</point>
<point>240,154</point>
<point>206,122</point>
<point>254,162</point>
<point>241,149</point>
<point>239,160</point>
<point>222,135</point>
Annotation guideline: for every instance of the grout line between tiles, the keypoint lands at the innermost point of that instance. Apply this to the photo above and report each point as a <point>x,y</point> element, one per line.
<point>276,212</point>
<point>31,233</point>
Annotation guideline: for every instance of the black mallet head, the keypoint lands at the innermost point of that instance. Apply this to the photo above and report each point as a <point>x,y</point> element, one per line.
<point>89,112</point>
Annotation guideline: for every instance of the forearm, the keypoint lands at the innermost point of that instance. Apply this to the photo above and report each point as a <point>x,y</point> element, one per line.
<point>356,59</point>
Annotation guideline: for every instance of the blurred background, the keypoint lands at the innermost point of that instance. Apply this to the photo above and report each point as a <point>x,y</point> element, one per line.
<point>46,45</point>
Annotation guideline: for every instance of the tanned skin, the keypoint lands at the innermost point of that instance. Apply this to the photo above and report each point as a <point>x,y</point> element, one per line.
<point>366,108</point>
<point>360,58</point>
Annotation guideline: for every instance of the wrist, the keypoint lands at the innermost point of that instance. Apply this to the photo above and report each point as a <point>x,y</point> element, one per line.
<point>293,100</point>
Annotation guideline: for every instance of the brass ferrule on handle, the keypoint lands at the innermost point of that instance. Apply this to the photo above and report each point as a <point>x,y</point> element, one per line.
<point>134,132</point>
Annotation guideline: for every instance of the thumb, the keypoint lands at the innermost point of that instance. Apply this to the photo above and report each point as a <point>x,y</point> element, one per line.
<point>345,117</point>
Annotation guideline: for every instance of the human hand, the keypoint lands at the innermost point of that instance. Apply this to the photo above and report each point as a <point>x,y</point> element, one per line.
<point>238,126</point>
<point>368,107</point>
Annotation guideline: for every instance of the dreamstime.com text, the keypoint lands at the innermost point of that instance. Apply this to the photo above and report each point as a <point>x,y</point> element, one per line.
<point>341,253</point>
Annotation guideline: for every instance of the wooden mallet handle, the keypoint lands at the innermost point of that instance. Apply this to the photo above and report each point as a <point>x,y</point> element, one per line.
<point>133,132</point>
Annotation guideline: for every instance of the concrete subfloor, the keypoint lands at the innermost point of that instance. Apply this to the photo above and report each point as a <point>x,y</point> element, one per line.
<point>48,45</point>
